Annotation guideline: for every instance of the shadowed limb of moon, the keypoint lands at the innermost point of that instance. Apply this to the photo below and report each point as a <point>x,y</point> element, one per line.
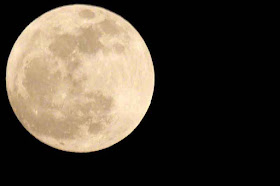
<point>80,78</point>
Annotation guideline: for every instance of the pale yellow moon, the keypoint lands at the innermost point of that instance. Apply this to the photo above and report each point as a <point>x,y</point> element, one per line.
<point>80,78</point>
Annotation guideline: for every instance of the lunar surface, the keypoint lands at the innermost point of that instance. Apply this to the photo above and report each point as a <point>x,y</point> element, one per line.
<point>80,78</point>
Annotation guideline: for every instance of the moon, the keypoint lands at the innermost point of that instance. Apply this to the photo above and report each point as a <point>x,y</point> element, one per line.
<point>80,78</point>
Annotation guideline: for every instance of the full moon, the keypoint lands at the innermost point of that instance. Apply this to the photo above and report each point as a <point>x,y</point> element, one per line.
<point>80,78</point>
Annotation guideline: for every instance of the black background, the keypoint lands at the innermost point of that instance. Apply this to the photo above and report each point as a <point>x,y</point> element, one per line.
<point>148,143</point>
<point>188,122</point>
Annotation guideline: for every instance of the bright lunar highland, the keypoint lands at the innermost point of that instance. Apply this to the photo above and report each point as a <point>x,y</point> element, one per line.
<point>80,78</point>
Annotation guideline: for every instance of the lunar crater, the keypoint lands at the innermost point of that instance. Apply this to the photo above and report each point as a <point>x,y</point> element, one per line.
<point>87,14</point>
